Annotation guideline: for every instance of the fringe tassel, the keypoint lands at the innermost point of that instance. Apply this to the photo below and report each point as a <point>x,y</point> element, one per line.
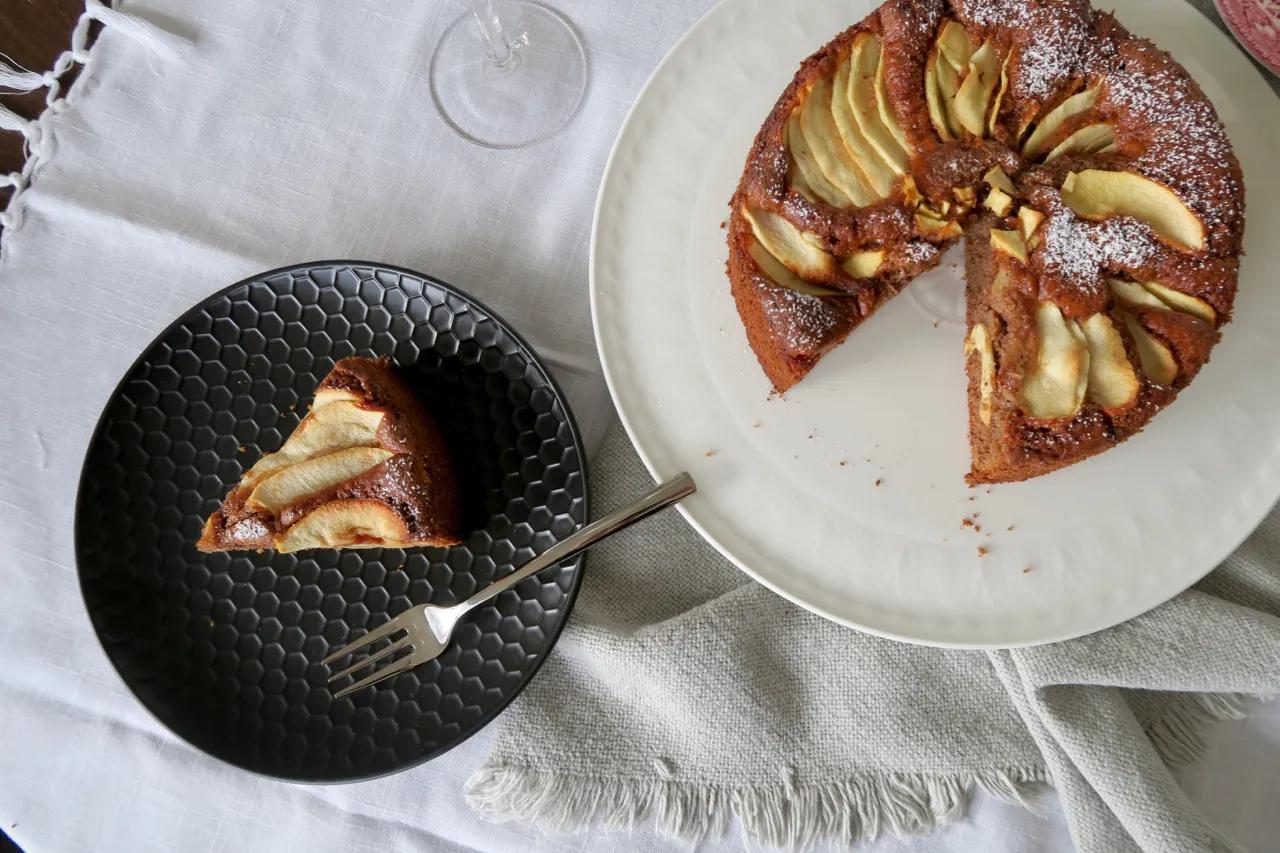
<point>17,78</point>
<point>799,816</point>
<point>1179,733</point>
<point>159,41</point>
<point>789,815</point>
<point>1179,737</point>
<point>9,120</point>
<point>39,141</point>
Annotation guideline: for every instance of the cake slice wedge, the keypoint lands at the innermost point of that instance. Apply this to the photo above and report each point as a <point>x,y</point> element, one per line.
<point>366,468</point>
<point>790,322</point>
<point>1048,386</point>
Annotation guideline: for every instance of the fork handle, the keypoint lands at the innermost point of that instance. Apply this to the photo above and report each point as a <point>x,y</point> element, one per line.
<point>664,495</point>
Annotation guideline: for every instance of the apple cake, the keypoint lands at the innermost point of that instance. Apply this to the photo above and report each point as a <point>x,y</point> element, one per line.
<point>1100,201</point>
<point>366,468</point>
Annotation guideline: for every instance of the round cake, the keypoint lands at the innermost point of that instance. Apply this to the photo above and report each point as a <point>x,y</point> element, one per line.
<point>1100,202</point>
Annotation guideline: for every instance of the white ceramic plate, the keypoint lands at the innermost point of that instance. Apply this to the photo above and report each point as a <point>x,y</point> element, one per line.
<point>1068,553</point>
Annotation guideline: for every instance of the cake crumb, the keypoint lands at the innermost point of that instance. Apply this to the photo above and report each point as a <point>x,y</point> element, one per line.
<point>1010,528</point>
<point>982,552</point>
<point>879,481</point>
<point>977,528</point>
<point>976,514</point>
<point>966,522</point>
<point>723,224</point>
<point>1028,569</point>
<point>971,497</point>
<point>710,453</point>
<point>242,448</point>
<point>935,324</point>
<point>755,425</point>
<point>844,463</point>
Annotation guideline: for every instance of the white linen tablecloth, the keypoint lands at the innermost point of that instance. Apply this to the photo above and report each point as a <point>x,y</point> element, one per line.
<point>335,151</point>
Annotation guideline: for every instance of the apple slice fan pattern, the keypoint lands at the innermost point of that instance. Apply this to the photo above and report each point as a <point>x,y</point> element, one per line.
<point>365,468</point>
<point>1100,201</point>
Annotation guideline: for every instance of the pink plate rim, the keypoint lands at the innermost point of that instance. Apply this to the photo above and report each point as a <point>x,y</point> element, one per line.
<point>1243,18</point>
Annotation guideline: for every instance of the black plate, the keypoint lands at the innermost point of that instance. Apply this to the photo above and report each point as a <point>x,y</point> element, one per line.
<point>225,649</point>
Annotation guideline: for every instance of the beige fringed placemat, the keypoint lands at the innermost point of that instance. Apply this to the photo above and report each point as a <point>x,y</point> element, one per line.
<point>685,692</point>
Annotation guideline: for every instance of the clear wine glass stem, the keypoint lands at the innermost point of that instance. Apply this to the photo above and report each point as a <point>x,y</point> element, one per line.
<point>496,46</point>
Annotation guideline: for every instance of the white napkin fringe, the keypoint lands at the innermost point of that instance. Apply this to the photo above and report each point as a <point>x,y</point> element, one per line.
<point>38,145</point>
<point>13,76</point>
<point>790,815</point>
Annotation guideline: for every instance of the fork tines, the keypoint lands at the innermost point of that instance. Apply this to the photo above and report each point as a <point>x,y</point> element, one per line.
<point>385,631</point>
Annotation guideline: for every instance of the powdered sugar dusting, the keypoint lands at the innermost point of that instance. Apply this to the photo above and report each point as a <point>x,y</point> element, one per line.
<point>997,13</point>
<point>918,20</point>
<point>885,218</point>
<point>247,529</point>
<point>397,478</point>
<point>1051,37</point>
<point>804,321</point>
<point>1077,251</point>
<point>919,252</point>
<point>1187,149</point>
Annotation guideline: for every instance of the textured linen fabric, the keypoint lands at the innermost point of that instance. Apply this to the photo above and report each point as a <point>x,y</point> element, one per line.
<point>683,691</point>
<point>212,141</point>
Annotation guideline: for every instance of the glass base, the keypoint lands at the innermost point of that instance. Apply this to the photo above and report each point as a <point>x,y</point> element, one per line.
<point>940,292</point>
<point>522,102</point>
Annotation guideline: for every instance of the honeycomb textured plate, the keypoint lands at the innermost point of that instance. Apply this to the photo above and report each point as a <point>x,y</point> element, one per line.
<point>225,649</point>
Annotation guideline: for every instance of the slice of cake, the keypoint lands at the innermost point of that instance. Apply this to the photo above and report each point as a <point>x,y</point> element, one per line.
<point>790,322</point>
<point>366,468</point>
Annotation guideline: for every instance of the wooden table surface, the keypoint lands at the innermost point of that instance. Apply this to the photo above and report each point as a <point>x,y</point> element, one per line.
<point>32,34</point>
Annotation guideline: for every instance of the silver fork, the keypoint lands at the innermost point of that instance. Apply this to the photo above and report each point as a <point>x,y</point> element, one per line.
<point>427,628</point>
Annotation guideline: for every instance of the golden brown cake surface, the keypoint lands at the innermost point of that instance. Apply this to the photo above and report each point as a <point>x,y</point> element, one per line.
<point>365,468</point>
<point>1102,204</point>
